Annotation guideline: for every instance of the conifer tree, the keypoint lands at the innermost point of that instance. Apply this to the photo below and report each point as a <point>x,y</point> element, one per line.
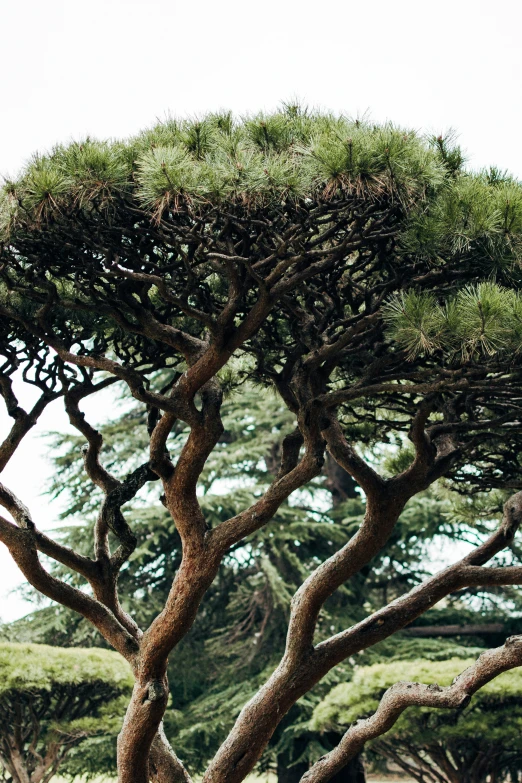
<point>357,270</point>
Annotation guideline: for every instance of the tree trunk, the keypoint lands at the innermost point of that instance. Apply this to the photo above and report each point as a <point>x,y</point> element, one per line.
<point>17,767</point>
<point>165,767</point>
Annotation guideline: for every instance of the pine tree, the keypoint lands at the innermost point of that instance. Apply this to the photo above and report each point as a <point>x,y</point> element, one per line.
<point>360,272</point>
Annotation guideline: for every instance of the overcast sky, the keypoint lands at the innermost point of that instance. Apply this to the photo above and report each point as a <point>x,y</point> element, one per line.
<point>71,68</point>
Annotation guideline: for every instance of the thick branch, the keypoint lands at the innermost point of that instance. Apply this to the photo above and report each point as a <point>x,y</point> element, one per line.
<point>303,665</point>
<point>466,572</point>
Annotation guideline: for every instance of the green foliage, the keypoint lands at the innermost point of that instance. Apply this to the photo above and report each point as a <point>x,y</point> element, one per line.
<point>52,700</point>
<point>241,629</point>
<point>92,169</point>
<point>165,174</point>
<point>332,217</point>
<point>28,667</point>
<point>402,647</point>
<point>290,154</point>
<point>488,729</point>
<point>482,319</point>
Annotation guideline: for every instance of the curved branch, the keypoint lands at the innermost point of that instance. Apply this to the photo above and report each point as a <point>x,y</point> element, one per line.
<point>303,665</point>
<point>407,694</point>
<point>346,456</point>
<point>466,572</point>
<point>290,478</point>
<point>23,549</point>
<point>24,422</point>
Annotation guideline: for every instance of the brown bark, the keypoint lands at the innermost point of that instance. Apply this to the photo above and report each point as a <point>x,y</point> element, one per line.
<point>165,767</point>
<point>303,666</point>
<point>20,759</point>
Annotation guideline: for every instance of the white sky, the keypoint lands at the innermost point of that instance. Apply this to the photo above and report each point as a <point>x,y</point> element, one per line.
<point>109,68</point>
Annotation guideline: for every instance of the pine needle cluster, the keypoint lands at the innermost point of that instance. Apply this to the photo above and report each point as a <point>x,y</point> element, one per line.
<point>482,319</point>
<point>269,158</point>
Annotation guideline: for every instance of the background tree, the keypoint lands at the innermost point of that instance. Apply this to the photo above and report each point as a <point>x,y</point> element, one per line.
<point>53,699</point>
<point>477,744</point>
<point>329,259</point>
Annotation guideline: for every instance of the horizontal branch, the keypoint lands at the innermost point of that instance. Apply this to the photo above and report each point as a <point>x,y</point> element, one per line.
<point>404,610</point>
<point>303,665</point>
<point>335,398</point>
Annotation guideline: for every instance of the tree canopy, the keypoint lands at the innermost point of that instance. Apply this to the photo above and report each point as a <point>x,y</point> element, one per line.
<point>357,270</point>
<point>51,700</point>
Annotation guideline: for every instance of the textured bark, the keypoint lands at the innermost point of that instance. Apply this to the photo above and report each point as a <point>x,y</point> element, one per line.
<point>301,668</point>
<point>403,695</point>
<point>165,767</point>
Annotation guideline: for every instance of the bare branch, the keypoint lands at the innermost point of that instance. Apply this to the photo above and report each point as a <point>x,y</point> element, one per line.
<point>304,665</point>
<point>346,456</point>
<point>288,480</point>
<point>24,421</point>
<point>98,475</point>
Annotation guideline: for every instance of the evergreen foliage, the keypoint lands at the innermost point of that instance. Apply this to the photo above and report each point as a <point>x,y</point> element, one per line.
<point>240,631</point>
<point>54,699</point>
<point>262,160</point>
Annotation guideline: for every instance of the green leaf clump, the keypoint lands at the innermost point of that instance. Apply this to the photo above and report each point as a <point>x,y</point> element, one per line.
<point>28,667</point>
